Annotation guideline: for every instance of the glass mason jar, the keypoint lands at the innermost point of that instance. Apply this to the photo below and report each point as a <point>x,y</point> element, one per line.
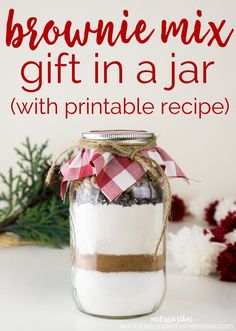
<point>117,270</point>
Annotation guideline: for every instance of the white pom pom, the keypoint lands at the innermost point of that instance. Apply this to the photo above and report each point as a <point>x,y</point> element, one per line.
<point>224,207</point>
<point>193,251</point>
<point>197,205</point>
<point>231,237</point>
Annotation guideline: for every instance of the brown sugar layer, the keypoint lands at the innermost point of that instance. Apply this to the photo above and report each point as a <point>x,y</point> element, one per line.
<point>120,263</point>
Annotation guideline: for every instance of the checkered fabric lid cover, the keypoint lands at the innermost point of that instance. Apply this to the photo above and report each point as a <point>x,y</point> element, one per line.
<point>114,173</point>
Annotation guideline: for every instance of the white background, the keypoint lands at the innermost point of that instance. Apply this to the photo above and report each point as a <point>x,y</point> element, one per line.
<point>204,148</point>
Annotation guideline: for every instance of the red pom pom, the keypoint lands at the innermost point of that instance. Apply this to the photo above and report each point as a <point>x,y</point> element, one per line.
<point>209,213</point>
<point>219,234</point>
<point>226,263</point>
<point>229,222</point>
<point>178,209</point>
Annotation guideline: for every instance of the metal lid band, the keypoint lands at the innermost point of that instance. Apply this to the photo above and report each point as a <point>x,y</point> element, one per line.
<point>118,135</point>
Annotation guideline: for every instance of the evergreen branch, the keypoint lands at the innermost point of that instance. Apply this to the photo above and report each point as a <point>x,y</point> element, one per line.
<point>31,210</point>
<point>47,222</point>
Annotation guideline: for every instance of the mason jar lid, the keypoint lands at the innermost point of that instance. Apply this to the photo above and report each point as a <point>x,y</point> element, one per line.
<point>126,135</point>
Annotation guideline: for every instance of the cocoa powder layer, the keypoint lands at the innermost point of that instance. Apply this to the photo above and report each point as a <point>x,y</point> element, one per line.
<point>120,263</point>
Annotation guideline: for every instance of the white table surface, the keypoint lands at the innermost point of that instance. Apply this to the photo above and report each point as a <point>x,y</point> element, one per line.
<point>35,296</point>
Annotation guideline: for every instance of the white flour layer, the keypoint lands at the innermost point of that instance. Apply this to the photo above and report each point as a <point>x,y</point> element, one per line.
<point>119,293</point>
<point>114,229</point>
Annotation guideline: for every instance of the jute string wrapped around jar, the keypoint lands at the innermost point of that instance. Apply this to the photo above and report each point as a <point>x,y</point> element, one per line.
<point>134,152</point>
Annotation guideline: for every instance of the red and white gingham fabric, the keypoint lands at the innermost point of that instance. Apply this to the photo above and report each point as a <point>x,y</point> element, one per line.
<point>114,174</point>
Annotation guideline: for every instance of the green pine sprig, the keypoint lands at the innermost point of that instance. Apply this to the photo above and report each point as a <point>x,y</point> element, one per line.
<point>29,208</point>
